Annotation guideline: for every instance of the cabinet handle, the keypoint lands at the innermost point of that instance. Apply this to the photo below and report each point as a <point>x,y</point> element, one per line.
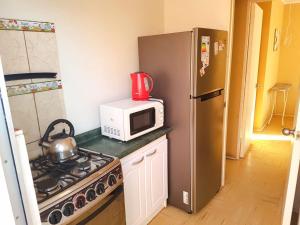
<point>138,162</point>
<point>151,153</point>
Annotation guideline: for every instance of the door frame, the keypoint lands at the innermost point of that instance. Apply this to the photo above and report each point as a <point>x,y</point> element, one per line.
<point>227,88</point>
<point>244,76</point>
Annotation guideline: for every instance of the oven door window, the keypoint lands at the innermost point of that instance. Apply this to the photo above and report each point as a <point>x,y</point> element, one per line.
<point>142,120</point>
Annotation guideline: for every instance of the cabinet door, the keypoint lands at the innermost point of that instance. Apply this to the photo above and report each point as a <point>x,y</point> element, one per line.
<point>156,178</point>
<point>134,189</point>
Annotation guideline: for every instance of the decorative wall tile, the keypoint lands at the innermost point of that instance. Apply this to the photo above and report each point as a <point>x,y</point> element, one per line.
<point>42,53</point>
<point>50,106</point>
<point>24,116</point>
<point>34,150</point>
<point>13,54</point>
<point>24,25</point>
<point>33,88</point>
<point>34,103</point>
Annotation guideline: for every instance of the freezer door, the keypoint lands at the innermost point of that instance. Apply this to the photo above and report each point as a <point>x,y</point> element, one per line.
<point>209,60</point>
<point>207,151</point>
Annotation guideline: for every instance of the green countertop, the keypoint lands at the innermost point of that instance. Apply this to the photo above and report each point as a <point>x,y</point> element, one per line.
<point>94,141</point>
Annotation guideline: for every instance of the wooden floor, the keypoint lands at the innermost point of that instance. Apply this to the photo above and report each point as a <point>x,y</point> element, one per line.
<point>253,192</point>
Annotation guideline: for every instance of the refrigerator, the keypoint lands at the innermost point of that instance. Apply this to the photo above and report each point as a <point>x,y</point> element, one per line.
<point>188,69</point>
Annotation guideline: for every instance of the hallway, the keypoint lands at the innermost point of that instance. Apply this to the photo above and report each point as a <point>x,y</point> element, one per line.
<point>252,195</point>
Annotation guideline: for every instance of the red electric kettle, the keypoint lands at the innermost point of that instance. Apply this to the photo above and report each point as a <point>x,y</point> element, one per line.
<point>140,86</point>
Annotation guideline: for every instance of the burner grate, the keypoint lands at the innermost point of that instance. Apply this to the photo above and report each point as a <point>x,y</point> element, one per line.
<point>50,178</point>
<point>47,185</point>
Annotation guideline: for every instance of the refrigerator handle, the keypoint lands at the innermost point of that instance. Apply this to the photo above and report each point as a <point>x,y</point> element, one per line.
<point>210,95</point>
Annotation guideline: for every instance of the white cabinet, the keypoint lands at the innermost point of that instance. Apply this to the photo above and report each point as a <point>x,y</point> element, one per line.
<point>156,178</point>
<point>134,190</point>
<point>145,182</point>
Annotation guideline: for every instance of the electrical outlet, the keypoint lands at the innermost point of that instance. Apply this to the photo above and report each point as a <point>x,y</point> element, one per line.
<point>185,197</point>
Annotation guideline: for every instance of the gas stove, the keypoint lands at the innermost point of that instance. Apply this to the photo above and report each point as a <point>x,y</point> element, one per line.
<point>66,190</point>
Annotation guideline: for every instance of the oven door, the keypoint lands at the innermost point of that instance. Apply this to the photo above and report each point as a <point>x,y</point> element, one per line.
<point>110,210</point>
<point>142,120</point>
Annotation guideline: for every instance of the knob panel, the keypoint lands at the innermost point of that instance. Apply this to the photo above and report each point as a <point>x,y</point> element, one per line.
<point>71,205</point>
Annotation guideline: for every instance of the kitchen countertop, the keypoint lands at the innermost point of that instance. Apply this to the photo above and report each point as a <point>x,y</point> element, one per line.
<point>93,140</point>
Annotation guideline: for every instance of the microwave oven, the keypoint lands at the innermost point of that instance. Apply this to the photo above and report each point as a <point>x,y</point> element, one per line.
<point>127,119</point>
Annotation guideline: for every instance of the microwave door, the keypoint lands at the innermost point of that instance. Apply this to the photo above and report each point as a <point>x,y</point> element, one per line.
<point>142,120</point>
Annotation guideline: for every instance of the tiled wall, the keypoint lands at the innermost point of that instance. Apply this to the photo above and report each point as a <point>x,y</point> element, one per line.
<point>34,103</point>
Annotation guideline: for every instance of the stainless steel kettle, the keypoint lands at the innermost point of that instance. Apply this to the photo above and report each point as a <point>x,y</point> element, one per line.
<point>61,146</point>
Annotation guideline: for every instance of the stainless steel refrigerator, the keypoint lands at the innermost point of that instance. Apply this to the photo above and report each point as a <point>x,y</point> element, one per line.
<point>189,70</point>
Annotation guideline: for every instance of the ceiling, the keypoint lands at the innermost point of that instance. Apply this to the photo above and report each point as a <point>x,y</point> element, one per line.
<point>290,1</point>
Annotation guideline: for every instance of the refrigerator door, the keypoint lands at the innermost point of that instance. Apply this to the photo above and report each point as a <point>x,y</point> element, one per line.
<point>209,60</point>
<point>167,58</point>
<point>207,152</point>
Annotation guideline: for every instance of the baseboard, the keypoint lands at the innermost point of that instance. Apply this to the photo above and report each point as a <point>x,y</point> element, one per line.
<point>231,158</point>
<point>267,120</point>
<point>263,126</point>
<point>279,114</point>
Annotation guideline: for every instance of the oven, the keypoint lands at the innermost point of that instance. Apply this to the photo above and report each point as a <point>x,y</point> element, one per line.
<point>109,211</point>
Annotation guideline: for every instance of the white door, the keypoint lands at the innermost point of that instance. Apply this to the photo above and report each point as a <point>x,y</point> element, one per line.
<point>251,77</point>
<point>293,172</point>
<point>8,153</point>
<point>134,190</point>
<point>156,177</point>
<point>7,210</point>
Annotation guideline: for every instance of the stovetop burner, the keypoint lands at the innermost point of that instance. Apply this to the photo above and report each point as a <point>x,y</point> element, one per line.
<point>47,185</point>
<point>84,166</point>
<point>51,178</point>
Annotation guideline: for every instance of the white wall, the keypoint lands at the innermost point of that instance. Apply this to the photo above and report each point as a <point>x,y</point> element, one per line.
<point>97,45</point>
<point>182,15</point>
<point>97,41</point>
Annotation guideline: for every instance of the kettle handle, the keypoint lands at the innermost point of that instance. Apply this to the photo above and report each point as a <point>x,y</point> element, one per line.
<point>51,128</point>
<point>150,78</point>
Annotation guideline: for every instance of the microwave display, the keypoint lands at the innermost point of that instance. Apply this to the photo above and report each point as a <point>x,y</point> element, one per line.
<point>142,120</point>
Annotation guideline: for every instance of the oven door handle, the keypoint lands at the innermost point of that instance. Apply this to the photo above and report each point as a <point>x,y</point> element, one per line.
<point>112,197</point>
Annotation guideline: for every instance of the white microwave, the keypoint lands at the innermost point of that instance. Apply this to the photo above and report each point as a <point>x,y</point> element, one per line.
<point>128,119</point>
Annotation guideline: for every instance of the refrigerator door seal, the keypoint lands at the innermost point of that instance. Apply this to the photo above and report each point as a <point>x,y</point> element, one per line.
<point>194,55</point>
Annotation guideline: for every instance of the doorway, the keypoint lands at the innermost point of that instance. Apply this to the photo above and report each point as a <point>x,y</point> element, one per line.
<point>276,89</point>
<point>278,75</point>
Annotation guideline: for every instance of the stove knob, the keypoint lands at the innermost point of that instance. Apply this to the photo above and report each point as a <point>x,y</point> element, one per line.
<point>100,189</point>
<point>80,201</point>
<point>55,217</point>
<point>90,195</point>
<point>68,209</point>
<point>112,180</point>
